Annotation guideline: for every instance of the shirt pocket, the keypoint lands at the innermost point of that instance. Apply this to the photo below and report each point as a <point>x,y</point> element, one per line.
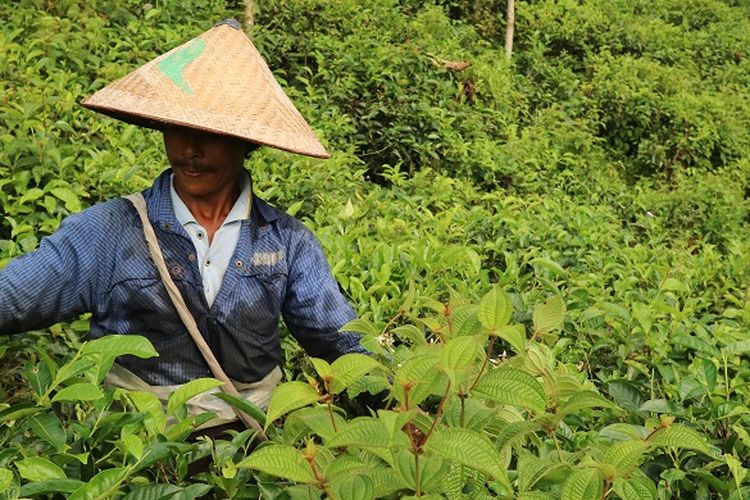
<point>260,299</point>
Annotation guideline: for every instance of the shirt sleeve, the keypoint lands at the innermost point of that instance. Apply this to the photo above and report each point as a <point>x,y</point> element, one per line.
<point>314,308</point>
<point>53,283</point>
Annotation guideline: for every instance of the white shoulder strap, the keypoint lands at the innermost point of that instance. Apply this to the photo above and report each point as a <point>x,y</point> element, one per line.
<point>182,310</point>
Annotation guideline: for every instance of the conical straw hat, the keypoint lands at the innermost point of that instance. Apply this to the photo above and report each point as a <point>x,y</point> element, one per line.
<point>216,82</point>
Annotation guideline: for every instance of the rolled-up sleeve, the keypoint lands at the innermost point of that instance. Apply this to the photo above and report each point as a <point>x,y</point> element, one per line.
<point>314,308</point>
<point>54,282</point>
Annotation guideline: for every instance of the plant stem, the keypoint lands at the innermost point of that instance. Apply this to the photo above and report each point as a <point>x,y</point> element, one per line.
<point>484,364</point>
<point>438,414</point>
<point>416,475</point>
<point>330,405</point>
<point>462,397</point>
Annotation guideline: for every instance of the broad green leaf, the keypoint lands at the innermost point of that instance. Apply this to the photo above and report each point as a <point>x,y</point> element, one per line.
<point>316,419</point>
<point>626,394</point>
<point>495,309</point>
<point>362,326</point>
<point>147,402</point>
<point>47,426</point>
<point>531,469</point>
<point>549,317</point>
<point>6,478</point>
<point>738,347</point>
<point>18,411</point>
<point>362,432</point>
<point>344,465</point>
<point>39,469</point>
<point>582,485</point>
<point>281,461</point>
<point>535,495</point>
<point>349,368</point>
<point>288,397</point>
<point>102,486</point>
<point>120,345</point>
<point>188,391</point>
<point>548,265</point>
<point>384,480</point>
<point>515,335</point>
<point>71,370</point>
<point>459,353</point>
<point>71,200</point>
<point>695,343</point>
<point>431,469</point>
<point>680,437</point>
<point>582,400</point>
<point>469,448</point>
<point>50,486</point>
<point>515,430</point>
<point>244,405</point>
<point>31,194</point>
<point>418,372</point>
<point>633,489</point>
<point>353,488</point>
<point>513,387</point>
<point>83,391</point>
<point>625,456</point>
<point>322,368</point>
<point>464,320</point>
<point>410,332</point>
<point>132,444</point>
<point>153,492</point>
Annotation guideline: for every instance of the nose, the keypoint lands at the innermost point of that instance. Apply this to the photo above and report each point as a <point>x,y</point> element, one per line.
<point>192,147</point>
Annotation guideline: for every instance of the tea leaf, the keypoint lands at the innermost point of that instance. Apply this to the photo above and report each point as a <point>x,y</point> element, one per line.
<point>362,432</point>
<point>680,437</point>
<point>353,488</point>
<point>39,469</point>
<point>582,400</point>
<point>48,427</point>
<point>582,485</point>
<point>188,391</point>
<point>625,456</point>
<point>50,486</point>
<point>281,461</point>
<point>288,397</point>
<point>513,387</point>
<point>349,368</point>
<point>495,309</point>
<point>83,391</point>
<point>101,486</point>
<point>633,489</point>
<point>120,345</point>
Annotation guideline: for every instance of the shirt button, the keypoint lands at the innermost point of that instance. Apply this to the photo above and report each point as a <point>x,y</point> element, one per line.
<point>191,257</point>
<point>238,263</point>
<point>208,263</point>
<point>199,235</point>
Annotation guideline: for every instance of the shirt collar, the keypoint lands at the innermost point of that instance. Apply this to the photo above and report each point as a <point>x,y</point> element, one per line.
<point>240,210</point>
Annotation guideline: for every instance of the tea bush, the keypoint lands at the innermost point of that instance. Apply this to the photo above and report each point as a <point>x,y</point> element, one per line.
<point>551,252</point>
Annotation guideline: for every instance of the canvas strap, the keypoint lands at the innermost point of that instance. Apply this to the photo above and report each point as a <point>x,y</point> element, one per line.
<point>185,315</point>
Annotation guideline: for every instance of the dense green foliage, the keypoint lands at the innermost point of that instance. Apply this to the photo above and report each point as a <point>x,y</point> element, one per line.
<point>604,167</point>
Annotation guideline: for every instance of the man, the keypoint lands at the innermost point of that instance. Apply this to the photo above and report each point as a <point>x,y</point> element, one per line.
<point>238,263</point>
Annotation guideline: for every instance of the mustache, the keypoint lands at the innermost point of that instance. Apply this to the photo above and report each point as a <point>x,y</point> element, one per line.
<point>194,165</point>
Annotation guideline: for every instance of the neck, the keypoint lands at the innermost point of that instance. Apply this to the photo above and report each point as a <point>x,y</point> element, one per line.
<point>211,210</point>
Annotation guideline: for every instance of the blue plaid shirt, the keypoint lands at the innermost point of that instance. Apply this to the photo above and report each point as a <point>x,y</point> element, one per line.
<point>98,262</point>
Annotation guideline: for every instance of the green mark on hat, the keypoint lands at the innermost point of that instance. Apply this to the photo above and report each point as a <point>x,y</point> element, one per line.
<point>175,63</point>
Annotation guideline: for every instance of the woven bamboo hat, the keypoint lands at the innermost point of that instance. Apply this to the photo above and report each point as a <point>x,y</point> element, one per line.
<point>217,82</point>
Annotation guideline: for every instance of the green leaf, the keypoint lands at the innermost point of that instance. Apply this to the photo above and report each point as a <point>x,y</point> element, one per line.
<point>288,397</point>
<point>322,368</point>
<point>531,470</point>
<point>120,345</point>
<point>39,469</point>
<point>244,405</point>
<point>633,489</point>
<point>71,200</point>
<point>549,316</point>
<point>626,394</point>
<point>459,353</point>
<point>695,343</point>
<point>495,309</point>
<point>410,332</point>
<point>582,400</point>
<point>431,469</point>
<point>513,387</point>
<point>362,326</point>
<point>515,335</point>
<point>6,478</point>
<point>738,347</point>
<point>680,437</point>
<point>281,461</point>
<point>469,448</point>
<point>188,391</point>
<point>362,432</point>
<point>83,391</point>
<point>625,456</point>
<point>50,486</point>
<point>515,430</point>
<point>419,372</point>
<point>582,485</point>
<point>344,465</point>
<point>101,486</point>
<point>18,411</point>
<point>153,492</point>
<point>353,488</point>
<point>349,368</point>
<point>47,426</point>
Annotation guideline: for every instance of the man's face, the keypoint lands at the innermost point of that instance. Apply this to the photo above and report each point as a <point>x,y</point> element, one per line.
<point>204,164</point>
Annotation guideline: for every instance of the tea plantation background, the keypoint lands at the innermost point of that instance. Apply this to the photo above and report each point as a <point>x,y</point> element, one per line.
<point>605,165</point>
